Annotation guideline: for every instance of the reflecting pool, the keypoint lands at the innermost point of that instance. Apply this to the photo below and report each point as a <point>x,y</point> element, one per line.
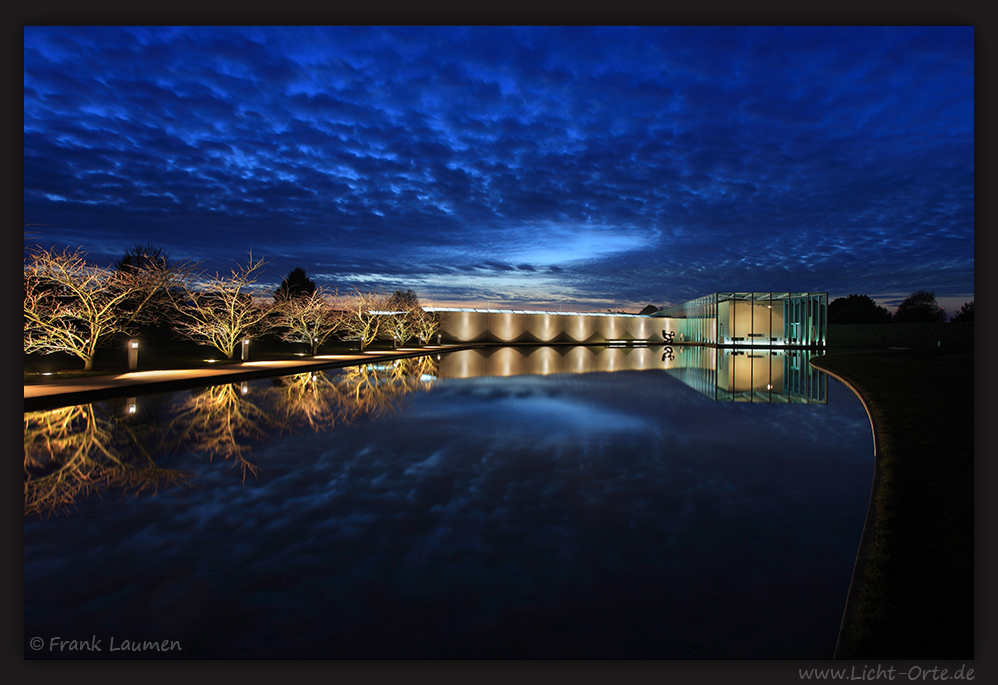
<point>498,503</point>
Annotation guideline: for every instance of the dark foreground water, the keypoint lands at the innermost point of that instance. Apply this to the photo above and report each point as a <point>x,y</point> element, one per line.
<point>394,512</point>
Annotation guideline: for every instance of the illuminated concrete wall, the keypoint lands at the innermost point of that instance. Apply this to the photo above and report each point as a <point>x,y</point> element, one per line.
<point>516,361</point>
<point>505,327</point>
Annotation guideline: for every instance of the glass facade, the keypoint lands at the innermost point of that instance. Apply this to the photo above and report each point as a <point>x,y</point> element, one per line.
<point>756,319</point>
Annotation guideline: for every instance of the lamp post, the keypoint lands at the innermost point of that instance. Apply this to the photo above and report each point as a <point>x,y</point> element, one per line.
<point>133,354</point>
<point>245,351</point>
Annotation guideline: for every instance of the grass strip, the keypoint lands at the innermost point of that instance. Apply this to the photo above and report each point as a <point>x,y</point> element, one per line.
<point>912,592</point>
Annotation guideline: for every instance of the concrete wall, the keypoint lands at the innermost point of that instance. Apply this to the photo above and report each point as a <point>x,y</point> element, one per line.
<point>515,361</point>
<point>506,327</point>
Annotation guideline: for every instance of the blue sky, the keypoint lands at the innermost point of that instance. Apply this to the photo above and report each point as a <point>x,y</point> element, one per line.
<point>553,167</point>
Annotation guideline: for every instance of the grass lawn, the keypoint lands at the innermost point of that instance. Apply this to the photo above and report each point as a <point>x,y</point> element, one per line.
<point>912,595</point>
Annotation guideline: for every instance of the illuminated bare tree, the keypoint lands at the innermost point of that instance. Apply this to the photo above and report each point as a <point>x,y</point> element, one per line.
<point>75,307</point>
<point>426,324</point>
<point>364,316</point>
<point>310,319</point>
<point>400,324</point>
<point>221,311</point>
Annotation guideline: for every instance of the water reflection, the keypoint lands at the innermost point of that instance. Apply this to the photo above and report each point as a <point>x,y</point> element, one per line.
<point>401,513</point>
<point>76,451</point>
<point>73,452</point>
<point>780,376</point>
<point>222,421</point>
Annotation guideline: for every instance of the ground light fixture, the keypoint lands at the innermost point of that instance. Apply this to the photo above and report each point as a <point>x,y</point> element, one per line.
<point>133,354</point>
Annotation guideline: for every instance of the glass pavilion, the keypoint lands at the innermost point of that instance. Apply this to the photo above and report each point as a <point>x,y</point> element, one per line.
<point>751,319</point>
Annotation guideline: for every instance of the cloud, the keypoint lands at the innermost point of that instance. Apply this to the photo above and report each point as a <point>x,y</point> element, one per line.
<point>624,160</point>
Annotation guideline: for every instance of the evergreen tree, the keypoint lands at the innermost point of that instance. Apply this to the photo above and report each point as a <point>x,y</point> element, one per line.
<point>296,284</point>
<point>141,256</point>
<point>403,301</point>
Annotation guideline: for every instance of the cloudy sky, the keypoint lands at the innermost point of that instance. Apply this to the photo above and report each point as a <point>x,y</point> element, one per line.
<point>579,168</point>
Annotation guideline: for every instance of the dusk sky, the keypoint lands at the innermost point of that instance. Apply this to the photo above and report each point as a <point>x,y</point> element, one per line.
<point>581,168</point>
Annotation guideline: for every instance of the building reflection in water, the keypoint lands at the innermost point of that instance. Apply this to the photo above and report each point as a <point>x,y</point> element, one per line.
<point>744,375</point>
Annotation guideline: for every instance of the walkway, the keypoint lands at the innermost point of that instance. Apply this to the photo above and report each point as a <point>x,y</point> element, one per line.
<point>68,391</point>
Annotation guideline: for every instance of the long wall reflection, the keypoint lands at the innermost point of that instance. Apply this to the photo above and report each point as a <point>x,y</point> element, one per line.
<point>779,376</point>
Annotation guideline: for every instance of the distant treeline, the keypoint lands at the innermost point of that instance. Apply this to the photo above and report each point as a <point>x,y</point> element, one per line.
<point>919,307</point>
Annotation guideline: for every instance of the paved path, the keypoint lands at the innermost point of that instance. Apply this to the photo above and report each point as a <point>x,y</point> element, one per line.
<point>67,391</point>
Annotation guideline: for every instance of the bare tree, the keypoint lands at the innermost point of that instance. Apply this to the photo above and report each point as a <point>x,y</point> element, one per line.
<point>310,319</point>
<point>401,315</point>
<point>364,316</point>
<point>75,307</point>
<point>426,325</point>
<point>221,310</point>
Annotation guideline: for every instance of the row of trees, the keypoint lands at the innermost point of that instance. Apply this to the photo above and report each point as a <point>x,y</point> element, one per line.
<point>75,307</point>
<point>920,306</point>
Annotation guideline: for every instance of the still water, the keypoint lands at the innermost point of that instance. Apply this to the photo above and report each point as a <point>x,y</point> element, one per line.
<point>502,503</point>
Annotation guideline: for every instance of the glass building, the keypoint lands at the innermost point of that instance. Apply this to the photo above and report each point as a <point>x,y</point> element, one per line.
<point>750,320</point>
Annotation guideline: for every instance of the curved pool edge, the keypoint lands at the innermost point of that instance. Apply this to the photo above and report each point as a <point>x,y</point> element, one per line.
<point>843,641</point>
